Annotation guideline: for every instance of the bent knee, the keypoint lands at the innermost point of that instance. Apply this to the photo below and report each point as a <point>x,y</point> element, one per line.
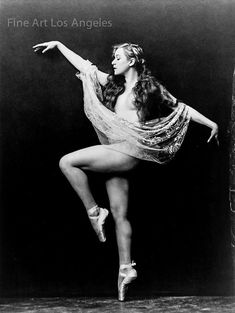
<point>65,163</point>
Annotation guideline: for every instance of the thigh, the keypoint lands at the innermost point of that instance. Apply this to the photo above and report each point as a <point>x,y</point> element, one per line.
<point>118,193</point>
<point>101,159</point>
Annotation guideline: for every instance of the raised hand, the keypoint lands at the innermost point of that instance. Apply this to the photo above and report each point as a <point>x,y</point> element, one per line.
<point>45,46</point>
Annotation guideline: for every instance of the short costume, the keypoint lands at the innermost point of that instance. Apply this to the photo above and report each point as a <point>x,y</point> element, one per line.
<point>156,140</point>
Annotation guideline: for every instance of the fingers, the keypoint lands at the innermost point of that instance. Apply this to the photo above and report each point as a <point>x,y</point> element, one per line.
<point>36,49</point>
<point>216,138</point>
<point>209,139</point>
<point>211,136</point>
<point>40,45</point>
<point>45,50</point>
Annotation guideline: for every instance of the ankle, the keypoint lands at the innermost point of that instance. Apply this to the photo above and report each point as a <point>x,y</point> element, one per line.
<point>94,211</point>
<point>126,266</point>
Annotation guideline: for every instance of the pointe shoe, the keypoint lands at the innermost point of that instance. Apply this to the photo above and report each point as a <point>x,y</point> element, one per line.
<point>97,222</point>
<point>126,275</point>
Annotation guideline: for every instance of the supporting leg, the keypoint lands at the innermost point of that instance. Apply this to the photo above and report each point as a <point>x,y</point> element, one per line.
<point>118,190</point>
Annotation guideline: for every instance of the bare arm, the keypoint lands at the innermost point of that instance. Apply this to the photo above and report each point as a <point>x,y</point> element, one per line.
<point>76,60</point>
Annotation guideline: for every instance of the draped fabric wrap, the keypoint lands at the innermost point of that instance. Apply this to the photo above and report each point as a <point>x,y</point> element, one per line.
<point>156,140</point>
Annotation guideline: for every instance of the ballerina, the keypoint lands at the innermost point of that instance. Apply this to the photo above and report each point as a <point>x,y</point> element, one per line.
<point>136,119</point>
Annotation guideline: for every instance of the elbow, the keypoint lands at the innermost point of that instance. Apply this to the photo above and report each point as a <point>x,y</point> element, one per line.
<point>190,112</point>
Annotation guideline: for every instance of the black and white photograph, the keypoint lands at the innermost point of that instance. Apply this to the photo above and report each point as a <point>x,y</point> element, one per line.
<point>117,156</point>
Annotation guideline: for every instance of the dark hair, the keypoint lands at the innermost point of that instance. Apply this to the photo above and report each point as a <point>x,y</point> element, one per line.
<point>149,93</point>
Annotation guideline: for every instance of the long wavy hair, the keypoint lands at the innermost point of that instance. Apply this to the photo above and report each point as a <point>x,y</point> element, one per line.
<point>150,95</point>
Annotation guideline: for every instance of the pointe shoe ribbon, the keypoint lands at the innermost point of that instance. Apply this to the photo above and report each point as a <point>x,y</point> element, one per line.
<point>126,275</point>
<point>97,221</point>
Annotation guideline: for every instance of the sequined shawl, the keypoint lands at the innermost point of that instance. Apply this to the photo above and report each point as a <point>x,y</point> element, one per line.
<point>155,140</point>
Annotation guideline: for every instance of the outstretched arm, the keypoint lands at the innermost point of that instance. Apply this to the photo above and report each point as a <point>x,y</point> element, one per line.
<point>201,119</point>
<point>76,60</point>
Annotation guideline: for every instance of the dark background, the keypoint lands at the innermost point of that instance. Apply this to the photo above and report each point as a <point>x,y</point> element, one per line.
<point>179,211</point>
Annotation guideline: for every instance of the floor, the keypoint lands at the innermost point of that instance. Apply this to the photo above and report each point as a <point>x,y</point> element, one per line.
<point>111,305</point>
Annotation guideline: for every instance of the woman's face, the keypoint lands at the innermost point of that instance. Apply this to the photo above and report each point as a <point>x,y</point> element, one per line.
<point>121,64</point>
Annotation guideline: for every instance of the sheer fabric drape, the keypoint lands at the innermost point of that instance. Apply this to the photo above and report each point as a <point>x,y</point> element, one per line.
<point>157,140</point>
